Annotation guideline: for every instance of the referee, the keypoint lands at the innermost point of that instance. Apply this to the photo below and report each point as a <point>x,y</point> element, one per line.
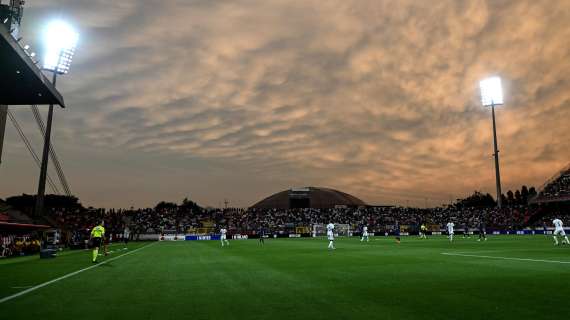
<point>96,238</point>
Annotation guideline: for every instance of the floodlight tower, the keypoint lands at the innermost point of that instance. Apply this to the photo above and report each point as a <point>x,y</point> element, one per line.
<point>60,42</point>
<point>491,96</point>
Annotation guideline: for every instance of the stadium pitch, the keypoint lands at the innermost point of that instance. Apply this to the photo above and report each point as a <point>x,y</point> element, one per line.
<point>524,277</point>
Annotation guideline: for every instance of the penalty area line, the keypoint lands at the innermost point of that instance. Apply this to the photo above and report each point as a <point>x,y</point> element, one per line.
<point>503,258</point>
<point>21,293</point>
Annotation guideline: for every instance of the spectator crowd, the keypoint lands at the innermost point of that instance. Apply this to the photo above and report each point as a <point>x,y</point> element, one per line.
<point>12,245</point>
<point>558,188</point>
<point>76,223</point>
<point>177,219</point>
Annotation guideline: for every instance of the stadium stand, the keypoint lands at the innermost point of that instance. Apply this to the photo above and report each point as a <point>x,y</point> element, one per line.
<point>555,189</point>
<point>295,211</point>
<point>248,221</point>
<point>76,223</point>
<point>18,234</point>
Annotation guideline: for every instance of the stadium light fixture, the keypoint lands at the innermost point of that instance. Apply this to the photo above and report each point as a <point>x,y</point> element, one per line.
<point>60,42</point>
<point>491,92</point>
<point>491,96</point>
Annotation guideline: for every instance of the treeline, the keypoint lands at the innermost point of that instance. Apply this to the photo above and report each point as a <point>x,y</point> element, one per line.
<point>185,205</point>
<point>519,197</point>
<point>485,200</point>
<point>26,202</point>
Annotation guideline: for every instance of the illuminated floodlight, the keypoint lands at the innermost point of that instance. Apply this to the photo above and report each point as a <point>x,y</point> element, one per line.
<point>60,42</point>
<point>491,91</point>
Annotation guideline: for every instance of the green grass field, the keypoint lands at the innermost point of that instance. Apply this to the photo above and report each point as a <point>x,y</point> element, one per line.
<point>520,277</point>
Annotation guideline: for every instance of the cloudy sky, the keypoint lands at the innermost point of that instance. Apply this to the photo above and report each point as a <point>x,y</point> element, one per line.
<point>236,100</point>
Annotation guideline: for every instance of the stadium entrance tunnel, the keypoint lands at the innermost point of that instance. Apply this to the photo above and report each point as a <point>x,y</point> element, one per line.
<point>309,197</point>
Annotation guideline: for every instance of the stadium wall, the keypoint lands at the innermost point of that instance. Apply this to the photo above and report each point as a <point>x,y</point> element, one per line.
<point>216,237</point>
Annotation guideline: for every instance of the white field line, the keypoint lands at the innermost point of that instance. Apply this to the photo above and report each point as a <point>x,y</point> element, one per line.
<point>496,251</point>
<point>21,293</point>
<point>503,258</point>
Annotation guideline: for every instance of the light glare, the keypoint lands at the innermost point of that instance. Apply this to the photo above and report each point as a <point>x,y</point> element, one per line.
<point>60,39</point>
<point>491,91</point>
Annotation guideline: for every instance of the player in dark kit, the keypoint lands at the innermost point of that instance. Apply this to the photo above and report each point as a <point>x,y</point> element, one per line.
<point>482,230</point>
<point>106,242</point>
<point>262,235</point>
<point>397,232</point>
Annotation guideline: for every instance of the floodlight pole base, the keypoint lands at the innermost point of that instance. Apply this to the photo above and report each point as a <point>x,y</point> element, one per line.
<point>45,157</point>
<point>3,115</point>
<point>497,172</point>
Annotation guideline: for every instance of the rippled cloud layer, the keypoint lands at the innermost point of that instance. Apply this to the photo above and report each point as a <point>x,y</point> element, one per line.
<point>239,99</point>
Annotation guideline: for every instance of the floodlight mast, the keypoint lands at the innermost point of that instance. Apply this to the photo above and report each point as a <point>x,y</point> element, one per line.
<point>62,40</point>
<point>492,95</point>
<point>45,158</point>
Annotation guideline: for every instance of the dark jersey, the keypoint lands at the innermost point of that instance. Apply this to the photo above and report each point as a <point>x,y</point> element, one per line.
<point>481,225</point>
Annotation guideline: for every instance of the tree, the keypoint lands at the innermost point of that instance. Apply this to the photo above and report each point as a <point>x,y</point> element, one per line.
<point>477,200</point>
<point>27,202</point>
<point>165,205</point>
<point>532,192</point>
<point>510,197</point>
<point>189,205</point>
<point>518,197</point>
<point>524,194</point>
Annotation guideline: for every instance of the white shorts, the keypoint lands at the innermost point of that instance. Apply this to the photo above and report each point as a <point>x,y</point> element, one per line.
<point>559,232</point>
<point>330,236</point>
<point>450,232</point>
<point>365,234</point>
<point>223,237</point>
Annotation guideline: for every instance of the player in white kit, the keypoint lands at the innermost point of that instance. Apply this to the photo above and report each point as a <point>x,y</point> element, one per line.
<point>126,235</point>
<point>364,234</point>
<point>223,239</point>
<point>450,226</point>
<point>559,230</point>
<point>330,235</point>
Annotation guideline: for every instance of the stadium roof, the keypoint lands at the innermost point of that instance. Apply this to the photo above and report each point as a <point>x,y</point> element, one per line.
<point>309,197</point>
<point>21,81</point>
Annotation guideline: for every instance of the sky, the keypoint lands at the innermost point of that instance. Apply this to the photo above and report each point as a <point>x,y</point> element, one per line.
<point>236,100</point>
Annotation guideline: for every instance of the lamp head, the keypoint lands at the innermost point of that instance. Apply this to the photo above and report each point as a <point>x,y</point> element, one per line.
<point>491,91</point>
<point>60,42</point>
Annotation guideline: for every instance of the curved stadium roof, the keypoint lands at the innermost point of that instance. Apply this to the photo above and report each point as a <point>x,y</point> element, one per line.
<point>309,197</point>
